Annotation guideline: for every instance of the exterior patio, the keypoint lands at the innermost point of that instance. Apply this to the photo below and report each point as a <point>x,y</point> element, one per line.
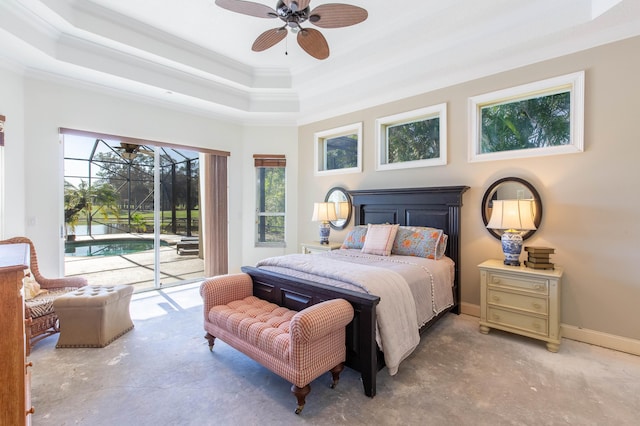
<point>137,269</point>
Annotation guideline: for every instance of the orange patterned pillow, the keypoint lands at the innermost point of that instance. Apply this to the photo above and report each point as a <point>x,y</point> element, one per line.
<point>355,238</point>
<point>420,242</point>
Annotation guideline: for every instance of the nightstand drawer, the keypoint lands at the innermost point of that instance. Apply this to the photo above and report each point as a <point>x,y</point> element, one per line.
<point>538,305</point>
<point>536,285</point>
<point>515,320</point>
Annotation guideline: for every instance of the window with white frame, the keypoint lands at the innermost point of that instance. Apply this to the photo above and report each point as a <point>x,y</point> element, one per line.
<point>540,118</point>
<point>416,138</point>
<point>339,150</point>
<point>270,200</point>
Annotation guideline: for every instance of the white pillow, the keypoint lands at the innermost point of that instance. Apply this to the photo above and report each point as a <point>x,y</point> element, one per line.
<point>379,239</point>
<point>31,287</point>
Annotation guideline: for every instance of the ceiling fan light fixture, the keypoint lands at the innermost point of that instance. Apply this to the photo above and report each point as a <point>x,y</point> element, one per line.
<point>296,12</point>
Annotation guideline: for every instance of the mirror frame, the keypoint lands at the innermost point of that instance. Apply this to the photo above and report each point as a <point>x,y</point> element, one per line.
<point>492,190</point>
<point>339,224</point>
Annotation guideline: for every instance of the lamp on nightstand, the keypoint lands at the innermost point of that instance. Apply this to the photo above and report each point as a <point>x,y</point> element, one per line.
<point>323,213</point>
<point>513,217</point>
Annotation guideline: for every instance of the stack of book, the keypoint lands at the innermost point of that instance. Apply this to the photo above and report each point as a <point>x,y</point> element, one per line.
<point>539,257</point>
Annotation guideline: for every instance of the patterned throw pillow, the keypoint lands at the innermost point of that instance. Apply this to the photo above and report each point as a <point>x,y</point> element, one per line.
<point>355,238</point>
<point>424,242</point>
<point>442,246</point>
<point>379,239</point>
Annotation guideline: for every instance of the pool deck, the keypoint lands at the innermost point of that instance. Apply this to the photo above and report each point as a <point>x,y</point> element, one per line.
<point>137,269</point>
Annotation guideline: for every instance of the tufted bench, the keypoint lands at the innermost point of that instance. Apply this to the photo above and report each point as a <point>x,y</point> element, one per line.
<point>93,316</point>
<point>297,346</point>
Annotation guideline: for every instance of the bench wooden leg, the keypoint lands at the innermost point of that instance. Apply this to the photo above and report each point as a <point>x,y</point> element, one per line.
<point>335,374</point>
<point>301,394</point>
<point>211,340</point>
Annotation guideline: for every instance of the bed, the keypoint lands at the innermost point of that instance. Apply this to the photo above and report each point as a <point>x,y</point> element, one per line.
<point>436,207</point>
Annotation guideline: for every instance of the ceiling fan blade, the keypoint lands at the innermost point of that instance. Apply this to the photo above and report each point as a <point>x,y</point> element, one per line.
<point>269,38</point>
<point>301,4</point>
<point>248,8</point>
<point>314,43</point>
<point>336,15</point>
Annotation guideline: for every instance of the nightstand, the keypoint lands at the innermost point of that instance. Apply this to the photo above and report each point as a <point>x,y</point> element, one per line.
<point>521,300</point>
<point>316,247</point>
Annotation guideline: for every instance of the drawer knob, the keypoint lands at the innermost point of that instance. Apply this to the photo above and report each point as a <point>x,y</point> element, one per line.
<point>496,298</point>
<point>536,326</point>
<point>537,306</point>
<point>496,280</point>
<point>496,317</point>
<point>539,287</point>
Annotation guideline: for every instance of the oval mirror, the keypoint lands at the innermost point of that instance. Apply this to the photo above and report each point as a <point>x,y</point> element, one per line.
<point>341,198</point>
<point>511,188</point>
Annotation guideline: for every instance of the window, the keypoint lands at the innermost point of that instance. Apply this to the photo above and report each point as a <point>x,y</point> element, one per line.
<point>541,118</point>
<point>339,150</point>
<point>412,139</point>
<point>271,199</point>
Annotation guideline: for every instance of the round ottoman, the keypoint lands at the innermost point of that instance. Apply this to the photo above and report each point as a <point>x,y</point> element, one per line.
<point>93,316</point>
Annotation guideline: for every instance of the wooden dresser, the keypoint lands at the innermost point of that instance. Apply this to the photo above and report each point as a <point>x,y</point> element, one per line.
<point>521,300</point>
<point>15,392</point>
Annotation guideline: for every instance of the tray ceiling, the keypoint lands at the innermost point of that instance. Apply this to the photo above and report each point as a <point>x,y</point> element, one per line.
<point>194,55</point>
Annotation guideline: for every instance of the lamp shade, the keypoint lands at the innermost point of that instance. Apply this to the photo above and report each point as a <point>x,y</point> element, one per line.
<point>324,212</point>
<point>512,214</point>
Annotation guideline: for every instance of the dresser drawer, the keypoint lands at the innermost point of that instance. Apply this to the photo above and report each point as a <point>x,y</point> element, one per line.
<point>538,305</point>
<point>536,285</point>
<point>515,320</point>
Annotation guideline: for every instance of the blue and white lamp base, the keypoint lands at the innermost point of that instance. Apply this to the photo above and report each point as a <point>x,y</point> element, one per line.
<point>325,229</point>
<point>511,247</point>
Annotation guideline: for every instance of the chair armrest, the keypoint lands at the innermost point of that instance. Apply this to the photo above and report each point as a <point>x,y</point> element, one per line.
<point>66,282</point>
<point>223,289</point>
<point>319,320</point>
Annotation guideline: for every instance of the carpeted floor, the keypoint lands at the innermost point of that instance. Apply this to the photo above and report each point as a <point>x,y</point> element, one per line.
<point>162,373</point>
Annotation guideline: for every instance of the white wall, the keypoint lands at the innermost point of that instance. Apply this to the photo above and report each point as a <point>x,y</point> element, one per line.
<point>35,165</point>
<point>12,222</point>
<point>591,202</point>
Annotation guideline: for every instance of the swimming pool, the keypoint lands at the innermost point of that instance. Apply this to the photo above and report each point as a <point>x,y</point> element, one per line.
<point>114,247</point>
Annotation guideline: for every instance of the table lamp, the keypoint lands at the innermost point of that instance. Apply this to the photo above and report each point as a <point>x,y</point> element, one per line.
<point>323,213</point>
<point>513,217</point>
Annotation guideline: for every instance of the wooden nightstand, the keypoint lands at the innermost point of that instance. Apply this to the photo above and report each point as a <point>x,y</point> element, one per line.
<point>316,247</point>
<point>521,300</point>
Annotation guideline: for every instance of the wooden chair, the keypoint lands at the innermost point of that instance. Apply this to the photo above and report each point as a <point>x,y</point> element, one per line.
<point>40,319</point>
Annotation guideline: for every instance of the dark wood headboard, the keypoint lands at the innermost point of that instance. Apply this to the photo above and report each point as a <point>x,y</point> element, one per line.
<point>437,207</point>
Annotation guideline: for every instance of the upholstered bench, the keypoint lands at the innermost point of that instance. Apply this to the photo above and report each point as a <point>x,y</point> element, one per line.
<point>93,316</point>
<point>297,346</point>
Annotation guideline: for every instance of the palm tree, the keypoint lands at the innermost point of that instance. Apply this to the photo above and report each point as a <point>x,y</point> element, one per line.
<point>84,197</point>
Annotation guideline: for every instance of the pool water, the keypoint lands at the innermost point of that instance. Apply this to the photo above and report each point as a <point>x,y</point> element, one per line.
<point>108,247</point>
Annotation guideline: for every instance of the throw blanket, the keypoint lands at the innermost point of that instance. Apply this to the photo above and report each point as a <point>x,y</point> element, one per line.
<point>396,312</point>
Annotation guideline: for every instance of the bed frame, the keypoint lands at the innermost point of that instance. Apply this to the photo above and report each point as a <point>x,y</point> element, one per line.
<point>437,207</point>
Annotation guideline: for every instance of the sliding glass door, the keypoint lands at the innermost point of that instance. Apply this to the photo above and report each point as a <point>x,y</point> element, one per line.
<point>131,212</point>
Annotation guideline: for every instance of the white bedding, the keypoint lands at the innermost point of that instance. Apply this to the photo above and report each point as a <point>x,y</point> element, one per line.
<point>412,290</point>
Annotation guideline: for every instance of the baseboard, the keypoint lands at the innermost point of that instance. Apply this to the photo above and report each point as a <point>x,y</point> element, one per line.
<point>470,309</point>
<point>609,341</point>
<point>592,337</point>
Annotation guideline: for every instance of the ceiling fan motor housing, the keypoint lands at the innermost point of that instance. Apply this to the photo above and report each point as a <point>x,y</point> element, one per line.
<point>290,15</point>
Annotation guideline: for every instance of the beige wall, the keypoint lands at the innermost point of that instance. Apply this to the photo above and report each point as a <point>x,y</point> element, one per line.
<point>591,201</point>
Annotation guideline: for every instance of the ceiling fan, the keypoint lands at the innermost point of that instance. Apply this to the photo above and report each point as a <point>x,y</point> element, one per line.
<point>129,151</point>
<point>293,13</point>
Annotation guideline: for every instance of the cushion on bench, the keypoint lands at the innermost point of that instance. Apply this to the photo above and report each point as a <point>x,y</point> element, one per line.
<point>260,323</point>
